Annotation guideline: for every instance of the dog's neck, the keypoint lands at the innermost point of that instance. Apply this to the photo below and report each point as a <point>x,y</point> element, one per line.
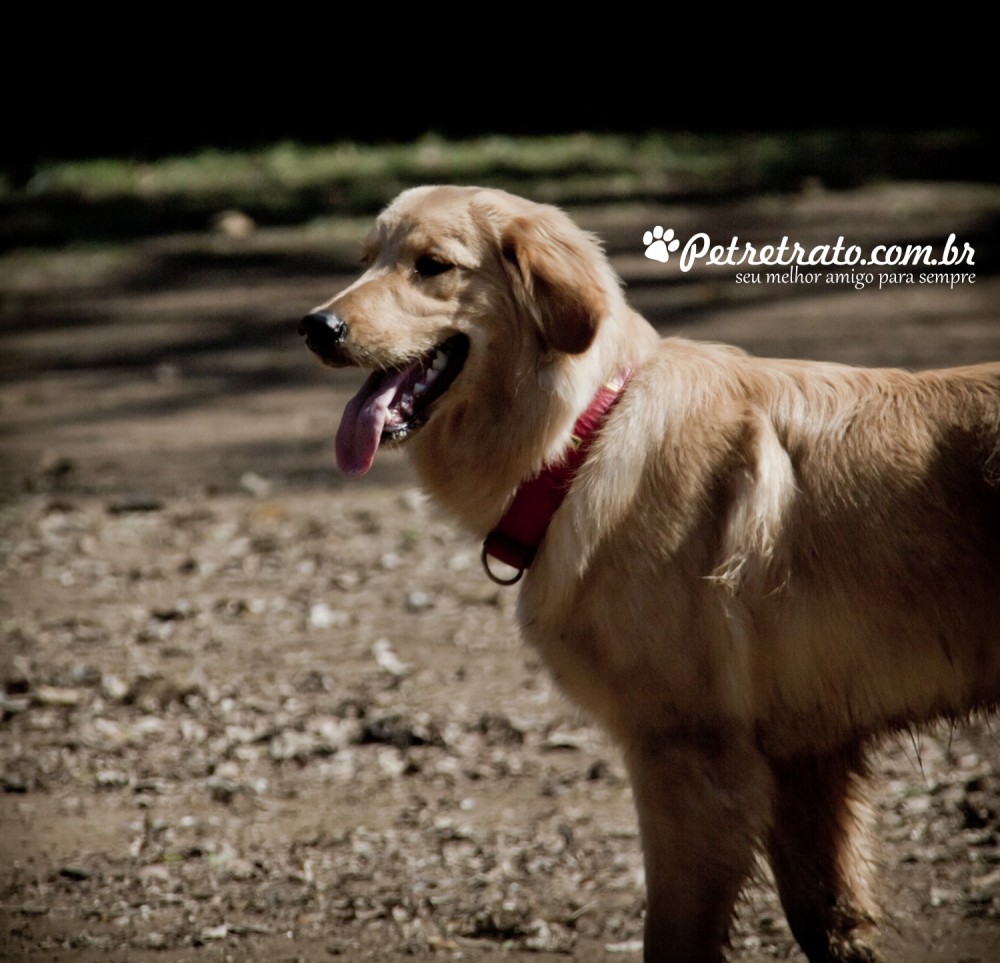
<point>516,538</point>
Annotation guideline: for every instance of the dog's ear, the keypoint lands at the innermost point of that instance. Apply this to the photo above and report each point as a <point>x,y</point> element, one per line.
<point>557,272</point>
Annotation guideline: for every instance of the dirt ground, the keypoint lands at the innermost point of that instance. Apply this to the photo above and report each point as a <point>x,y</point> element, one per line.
<point>252,711</point>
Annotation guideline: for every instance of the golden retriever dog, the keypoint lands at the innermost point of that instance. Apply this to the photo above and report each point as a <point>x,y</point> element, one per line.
<point>745,569</point>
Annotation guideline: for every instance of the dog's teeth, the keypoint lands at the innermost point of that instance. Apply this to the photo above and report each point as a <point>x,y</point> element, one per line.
<point>419,388</point>
<point>406,403</point>
<point>429,375</point>
<point>440,360</point>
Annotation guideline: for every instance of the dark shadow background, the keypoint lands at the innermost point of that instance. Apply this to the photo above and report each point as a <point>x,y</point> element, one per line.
<point>839,159</point>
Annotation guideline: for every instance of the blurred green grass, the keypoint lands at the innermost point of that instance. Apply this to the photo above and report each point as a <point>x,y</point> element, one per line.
<point>290,183</point>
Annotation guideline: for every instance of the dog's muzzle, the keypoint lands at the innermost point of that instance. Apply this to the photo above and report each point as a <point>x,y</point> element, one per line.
<point>325,334</point>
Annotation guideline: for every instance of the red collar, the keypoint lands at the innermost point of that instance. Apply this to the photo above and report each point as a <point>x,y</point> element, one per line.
<point>518,534</point>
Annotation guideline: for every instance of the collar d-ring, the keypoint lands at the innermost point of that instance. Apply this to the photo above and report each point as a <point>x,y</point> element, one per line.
<point>493,577</point>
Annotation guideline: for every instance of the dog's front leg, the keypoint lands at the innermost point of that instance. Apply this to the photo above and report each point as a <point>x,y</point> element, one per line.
<point>704,804</point>
<point>819,854</point>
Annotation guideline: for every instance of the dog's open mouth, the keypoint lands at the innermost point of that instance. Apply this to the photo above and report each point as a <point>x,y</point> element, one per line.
<point>391,405</point>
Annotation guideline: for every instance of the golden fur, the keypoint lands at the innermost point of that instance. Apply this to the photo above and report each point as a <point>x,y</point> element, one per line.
<point>761,566</point>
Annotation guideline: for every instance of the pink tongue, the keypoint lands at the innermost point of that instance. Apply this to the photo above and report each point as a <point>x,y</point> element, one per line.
<point>364,418</point>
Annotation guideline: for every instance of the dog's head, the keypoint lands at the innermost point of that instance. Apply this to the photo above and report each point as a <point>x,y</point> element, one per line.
<point>482,319</point>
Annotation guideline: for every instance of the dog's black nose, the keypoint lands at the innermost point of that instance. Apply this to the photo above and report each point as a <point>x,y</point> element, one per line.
<point>323,331</point>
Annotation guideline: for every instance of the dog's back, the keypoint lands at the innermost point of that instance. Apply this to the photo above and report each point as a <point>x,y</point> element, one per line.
<point>838,527</point>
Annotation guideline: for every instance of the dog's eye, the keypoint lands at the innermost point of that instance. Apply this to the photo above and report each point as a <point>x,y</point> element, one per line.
<point>429,267</point>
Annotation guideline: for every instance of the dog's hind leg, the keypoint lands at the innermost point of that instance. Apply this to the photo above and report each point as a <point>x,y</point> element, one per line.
<point>703,802</point>
<point>819,855</point>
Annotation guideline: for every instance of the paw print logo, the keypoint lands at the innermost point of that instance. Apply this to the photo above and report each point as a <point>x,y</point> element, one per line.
<point>660,246</point>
